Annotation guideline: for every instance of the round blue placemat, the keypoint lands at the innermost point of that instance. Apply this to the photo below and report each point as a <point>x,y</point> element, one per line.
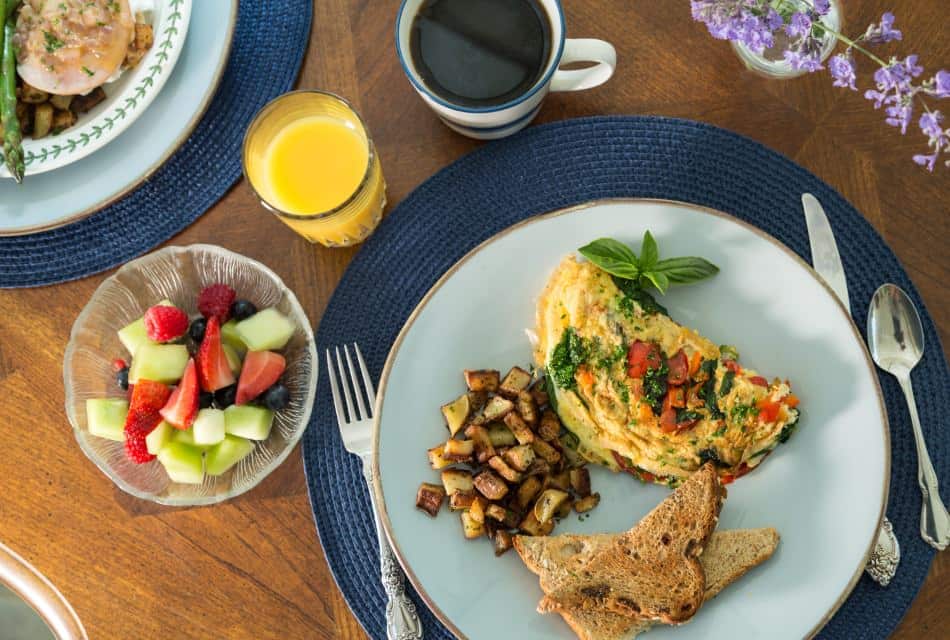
<point>194,178</point>
<point>557,165</point>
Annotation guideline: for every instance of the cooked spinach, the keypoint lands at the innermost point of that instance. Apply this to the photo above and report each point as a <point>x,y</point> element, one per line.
<point>710,455</point>
<point>654,387</point>
<point>634,292</point>
<point>708,392</point>
<point>726,385</point>
<point>789,429</point>
<point>687,415</point>
<point>569,354</point>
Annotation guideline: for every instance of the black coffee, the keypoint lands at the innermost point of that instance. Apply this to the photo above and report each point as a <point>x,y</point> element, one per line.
<point>480,53</point>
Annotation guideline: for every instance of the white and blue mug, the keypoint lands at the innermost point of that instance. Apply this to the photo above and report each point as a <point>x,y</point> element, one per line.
<point>498,121</point>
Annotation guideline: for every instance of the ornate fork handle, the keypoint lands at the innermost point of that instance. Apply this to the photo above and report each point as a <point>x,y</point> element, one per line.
<point>402,621</point>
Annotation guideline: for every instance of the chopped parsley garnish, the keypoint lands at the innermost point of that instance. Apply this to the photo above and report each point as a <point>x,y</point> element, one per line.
<point>654,387</point>
<point>622,391</point>
<point>741,412</point>
<point>606,360</point>
<point>89,72</point>
<point>720,432</point>
<point>569,354</point>
<point>728,352</point>
<point>52,42</point>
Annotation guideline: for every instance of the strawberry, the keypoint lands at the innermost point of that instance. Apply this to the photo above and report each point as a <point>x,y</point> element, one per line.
<point>164,324</point>
<point>213,370</point>
<point>215,301</point>
<point>182,405</point>
<point>148,398</point>
<point>136,448</point>
<point>261,369</point>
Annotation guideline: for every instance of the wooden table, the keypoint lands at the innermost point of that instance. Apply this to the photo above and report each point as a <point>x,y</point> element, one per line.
<point>253,567</point>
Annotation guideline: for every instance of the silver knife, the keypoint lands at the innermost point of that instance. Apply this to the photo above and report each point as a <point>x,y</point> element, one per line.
<point>886,554</point>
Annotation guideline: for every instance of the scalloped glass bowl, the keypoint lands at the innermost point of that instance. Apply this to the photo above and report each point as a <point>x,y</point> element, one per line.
<point>179,273</point>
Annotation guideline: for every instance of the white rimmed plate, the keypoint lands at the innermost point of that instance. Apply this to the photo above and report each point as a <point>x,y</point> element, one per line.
<point>825,490</point>
<point>127,98</point>
<point>70,193</point>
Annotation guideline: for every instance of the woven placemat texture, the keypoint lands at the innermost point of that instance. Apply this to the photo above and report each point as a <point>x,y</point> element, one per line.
<point>557,165</point>
<point>194,178</point>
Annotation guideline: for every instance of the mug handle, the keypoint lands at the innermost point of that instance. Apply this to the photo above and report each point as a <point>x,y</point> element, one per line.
<point>585,50</point>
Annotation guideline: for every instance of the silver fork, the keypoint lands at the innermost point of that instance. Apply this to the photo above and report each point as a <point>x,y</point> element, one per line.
<point>356,429</point>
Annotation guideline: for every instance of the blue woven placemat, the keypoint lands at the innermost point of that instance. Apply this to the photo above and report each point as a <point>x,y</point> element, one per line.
<point>557,165</point>
<point>194,178</point>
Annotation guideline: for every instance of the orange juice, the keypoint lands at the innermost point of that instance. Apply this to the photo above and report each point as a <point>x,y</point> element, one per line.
<point>309,158</point>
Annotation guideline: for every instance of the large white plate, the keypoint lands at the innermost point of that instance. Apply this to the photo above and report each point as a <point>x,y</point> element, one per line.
<point>59,197</point>
<point>825,490</point>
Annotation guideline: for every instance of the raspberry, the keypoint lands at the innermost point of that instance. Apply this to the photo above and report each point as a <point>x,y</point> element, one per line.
<point>215,300</point>
<point>136,448</point>
<point>163,324</point>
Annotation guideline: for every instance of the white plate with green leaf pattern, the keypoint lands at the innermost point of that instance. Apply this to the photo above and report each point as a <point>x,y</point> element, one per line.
<point>127,98</point>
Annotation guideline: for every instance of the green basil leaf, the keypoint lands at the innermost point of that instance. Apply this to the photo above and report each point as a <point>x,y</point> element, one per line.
<point>613,257</point>
<point>659,280</point>
<point>649,252</point>
<point>685,270</point>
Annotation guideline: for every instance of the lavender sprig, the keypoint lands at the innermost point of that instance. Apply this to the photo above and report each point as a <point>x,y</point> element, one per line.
<point>754,23</point>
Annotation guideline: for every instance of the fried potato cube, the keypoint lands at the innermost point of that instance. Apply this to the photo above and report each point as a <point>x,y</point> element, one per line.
<point>548,504</point>
<point>456,413</point>
<point>61,102</point>
<point>457,480</point>
<point>550,427</point>
<point>461,500</point>
<point>528,490</point>
<point>531,526</point>
<point>539,395</point>
<point>437,460</point>
<point>506,517</point>
<point>484,449</point>
<point>31,95</point>
<point>580,481</point>
<point>500,435</point>
<point>477,509</point>
<point>481,380</point>
<point>63,120</point>
<point>82,104</point>
<point>520,457</point>
<point>42,120</point>
<point>561,481</point>
<point>490,485</point>
<point>458,450</point>
<point>429,498</point>
<point>504,470</point>
<point>586,504</point>
<point>526,408</point>
<point>539,467</point>
<point>516,381</point>
<point>497,408</point>
<point>502,541</point>
<point>470,527</point>
<point>546,451</point>
<point>477,400</point>
<point>518,427</point>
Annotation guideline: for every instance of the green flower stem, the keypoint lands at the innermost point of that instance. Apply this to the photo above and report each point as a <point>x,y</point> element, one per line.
<point>840,36</point>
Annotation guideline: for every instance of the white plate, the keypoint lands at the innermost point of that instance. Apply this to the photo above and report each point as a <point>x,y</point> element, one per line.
<point>127,98</point>
<point>63,196</point>
<point>824,490</point>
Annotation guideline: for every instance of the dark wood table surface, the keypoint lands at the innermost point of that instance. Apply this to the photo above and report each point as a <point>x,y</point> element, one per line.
<point>253,567</point>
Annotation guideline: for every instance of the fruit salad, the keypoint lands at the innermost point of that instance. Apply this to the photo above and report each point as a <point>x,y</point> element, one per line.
<point>199,393</point>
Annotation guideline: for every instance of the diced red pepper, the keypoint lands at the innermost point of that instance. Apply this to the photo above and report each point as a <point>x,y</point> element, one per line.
<point>768,410</point>
<point>791,400</point>
<point>646,476</point>
<point>732,365</point>
<point>668,421</point>
<point>695,362</point>
<point>683,425</point>
<point>677,397</point>
<point>642,357</point>
<point>759,380</point>
<point>679,368</point>
<point>727,479</point>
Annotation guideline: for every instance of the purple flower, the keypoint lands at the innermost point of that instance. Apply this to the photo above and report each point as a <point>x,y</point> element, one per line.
<point>774,20</point>
<point>841,67</point>
<point>942,84</point>
<point>938,139</point>
<point>822,7</point>
<point>882,32</point>
<point>899,115</point>
<point>930,124</point>
<point>799,26</point>
<point>807,61</point>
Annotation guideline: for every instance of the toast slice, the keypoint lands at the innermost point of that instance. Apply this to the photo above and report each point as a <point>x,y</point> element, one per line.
<point>651,572</point>
<point>727,557</point>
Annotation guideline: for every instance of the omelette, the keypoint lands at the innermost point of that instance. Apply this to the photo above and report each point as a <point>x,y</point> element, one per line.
<point>643,394</point>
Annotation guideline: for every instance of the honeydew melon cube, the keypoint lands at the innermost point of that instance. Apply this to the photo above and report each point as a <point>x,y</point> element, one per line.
<point>230,337</point>
<point>234,360</point>
<point>248,421</point>
<point>227,453</point>
<point>159,362</point>
<point>105,417</point>
<point>182,462</point>
<point>186,436</point>
<point>208,428</point>
<point>134,335</point>
<point>159,437</point>
<point>267,330</point>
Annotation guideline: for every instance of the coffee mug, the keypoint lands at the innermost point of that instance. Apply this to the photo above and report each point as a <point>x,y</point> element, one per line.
<point>498,121</point>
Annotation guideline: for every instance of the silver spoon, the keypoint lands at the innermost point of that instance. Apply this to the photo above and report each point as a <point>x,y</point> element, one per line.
<point>896,338</point>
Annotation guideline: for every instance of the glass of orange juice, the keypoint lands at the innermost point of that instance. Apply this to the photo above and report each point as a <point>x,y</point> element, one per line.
<point>309,158</point>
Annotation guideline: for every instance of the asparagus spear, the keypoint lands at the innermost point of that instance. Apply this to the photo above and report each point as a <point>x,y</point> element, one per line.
<point>12,137</point>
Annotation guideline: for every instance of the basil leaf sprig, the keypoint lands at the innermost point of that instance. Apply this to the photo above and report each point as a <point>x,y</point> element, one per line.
<point>619,260</point>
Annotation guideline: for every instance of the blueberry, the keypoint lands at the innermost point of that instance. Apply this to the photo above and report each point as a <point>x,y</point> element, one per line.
<point>122,378</point>
<point>277,397</point>
<point>242,309</point>
<point>205,399</point>
<point>197,330</point>
<point>224,398</point>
